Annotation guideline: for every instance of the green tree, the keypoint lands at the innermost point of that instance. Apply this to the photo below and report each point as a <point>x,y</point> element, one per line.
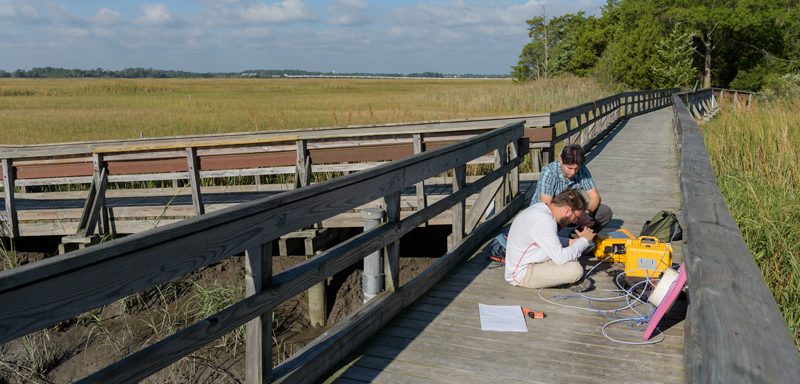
<point>634,42</point>
<point>534,61</point>
<point>672,65</point>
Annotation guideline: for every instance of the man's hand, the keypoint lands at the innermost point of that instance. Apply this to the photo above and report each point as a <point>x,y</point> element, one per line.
<point>587,233</point>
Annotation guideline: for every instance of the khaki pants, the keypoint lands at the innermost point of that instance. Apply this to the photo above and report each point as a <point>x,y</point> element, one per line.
<point>550,274</point>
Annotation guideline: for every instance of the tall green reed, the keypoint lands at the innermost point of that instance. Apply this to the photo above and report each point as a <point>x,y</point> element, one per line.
<point>755,154</point>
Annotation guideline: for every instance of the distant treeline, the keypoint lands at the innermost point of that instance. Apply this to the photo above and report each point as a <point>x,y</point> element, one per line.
<point>135,73</point>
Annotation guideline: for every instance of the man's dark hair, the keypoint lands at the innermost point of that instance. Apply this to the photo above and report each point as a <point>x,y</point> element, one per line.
<point>571,198</point>
<point>572,154</point>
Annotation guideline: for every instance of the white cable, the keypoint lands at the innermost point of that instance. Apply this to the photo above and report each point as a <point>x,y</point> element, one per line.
<point>629,296</point>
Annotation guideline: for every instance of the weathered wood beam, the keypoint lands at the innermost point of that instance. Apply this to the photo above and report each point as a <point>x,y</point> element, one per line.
<point>258,332</point>
<point>194,181</point>
<point>9,198</point>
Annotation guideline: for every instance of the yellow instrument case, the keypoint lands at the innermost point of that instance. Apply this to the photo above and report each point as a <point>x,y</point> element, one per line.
<point>642,256</point>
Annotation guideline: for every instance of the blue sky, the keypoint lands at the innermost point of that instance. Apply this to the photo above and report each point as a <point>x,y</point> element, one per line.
<point>449,36</point>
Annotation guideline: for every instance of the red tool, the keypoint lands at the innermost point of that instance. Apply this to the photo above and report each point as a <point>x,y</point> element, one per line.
<point>532,314</point>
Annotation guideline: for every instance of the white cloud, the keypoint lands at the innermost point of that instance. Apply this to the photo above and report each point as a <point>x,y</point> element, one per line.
<point>460,13</point>
<point>73,32</point>
<point>283,12</point>
<point>155,14</point>
<point>349,12</point>
<point>23,11</point>
<point>357,4</point>
<point>106,16</point>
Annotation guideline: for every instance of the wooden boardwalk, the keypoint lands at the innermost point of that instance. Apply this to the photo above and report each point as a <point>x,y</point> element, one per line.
<point>438,339</point>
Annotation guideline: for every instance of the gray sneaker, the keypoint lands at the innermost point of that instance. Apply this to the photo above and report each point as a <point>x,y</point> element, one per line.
<point>581,286</point>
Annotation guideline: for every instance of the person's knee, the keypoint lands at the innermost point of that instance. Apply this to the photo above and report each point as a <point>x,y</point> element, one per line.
<point>603,215</point>
<point>573,271</point>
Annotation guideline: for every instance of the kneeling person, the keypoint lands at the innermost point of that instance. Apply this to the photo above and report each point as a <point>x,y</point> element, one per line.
<point>570,173</point>
<point>536,257</point>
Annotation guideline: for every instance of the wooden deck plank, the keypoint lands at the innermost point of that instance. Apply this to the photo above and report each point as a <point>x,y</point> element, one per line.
<point>636,173</point>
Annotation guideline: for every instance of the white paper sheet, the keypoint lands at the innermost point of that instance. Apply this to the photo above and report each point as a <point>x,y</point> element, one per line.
<point>502,318</point>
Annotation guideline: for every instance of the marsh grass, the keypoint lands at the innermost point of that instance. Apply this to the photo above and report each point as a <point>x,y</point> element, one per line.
<point>755,154</point>
<point>60,110</point>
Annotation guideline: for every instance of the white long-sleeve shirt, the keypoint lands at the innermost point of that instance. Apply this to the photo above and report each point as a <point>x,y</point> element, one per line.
<point>533,238</point>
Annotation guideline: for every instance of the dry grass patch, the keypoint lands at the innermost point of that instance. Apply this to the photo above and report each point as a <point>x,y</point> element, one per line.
<point>60,110</point>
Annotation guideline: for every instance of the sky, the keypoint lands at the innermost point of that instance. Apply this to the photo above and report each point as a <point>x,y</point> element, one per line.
<point>403,36</point>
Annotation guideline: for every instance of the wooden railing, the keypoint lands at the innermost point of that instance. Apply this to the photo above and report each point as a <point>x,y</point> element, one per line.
<point>296,153</point>
<point>44,293</point>
<point>735,330</point>
<point>41,294</point>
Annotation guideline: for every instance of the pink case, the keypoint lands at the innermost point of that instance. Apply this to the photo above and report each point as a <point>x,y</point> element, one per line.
<point>666,303</point>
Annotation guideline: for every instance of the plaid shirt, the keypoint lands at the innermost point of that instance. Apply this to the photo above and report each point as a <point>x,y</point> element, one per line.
<point>552,181</point>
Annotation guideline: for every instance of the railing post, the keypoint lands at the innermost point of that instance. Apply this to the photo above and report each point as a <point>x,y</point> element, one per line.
<point>302,170</point>
<point>419,147</point>
<point>513,177</point>
<point>194,181</point>
<point>8,190</point>
<point>372,281</point>
<point>392,258</point>
<point>459,210</point>
<point>501,198</point>
<point>101,178</point>
<point>568,124</point>
<point>258,338</point>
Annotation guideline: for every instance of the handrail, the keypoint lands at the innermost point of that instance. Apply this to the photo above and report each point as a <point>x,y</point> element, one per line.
<point>735,331</point>
<point>80,281</point>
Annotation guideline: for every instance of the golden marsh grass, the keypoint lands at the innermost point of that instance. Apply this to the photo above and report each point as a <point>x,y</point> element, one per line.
<point>755,153</point>
<point>62,110</point>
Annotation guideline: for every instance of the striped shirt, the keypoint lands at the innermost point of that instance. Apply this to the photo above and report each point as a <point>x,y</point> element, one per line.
<point>552,181</point>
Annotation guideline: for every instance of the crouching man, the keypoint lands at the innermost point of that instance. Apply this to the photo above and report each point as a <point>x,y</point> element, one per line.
<point>536,257</point>
<point>570,172</point>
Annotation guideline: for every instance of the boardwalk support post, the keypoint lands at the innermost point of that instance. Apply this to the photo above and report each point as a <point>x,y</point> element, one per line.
<point>194,180</point>
<point>11,211</point>
<point>258,332</point>
<point>372,281</point>
<point>419,147</point>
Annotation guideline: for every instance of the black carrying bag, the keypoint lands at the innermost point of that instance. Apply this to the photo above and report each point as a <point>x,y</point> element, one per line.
<point>664,226</point>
